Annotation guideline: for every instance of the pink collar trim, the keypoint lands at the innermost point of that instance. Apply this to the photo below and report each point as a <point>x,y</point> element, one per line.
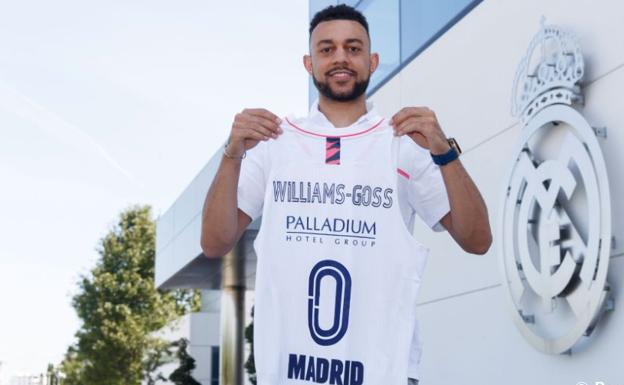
<point>335,136</point>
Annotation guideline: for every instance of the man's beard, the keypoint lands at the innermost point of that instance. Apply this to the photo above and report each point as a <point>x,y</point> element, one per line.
<point>358,89</point>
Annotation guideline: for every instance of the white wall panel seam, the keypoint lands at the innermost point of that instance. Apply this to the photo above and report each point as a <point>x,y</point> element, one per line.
<point>467,292</point>
<point>489,287</point>
<point>586,86</point>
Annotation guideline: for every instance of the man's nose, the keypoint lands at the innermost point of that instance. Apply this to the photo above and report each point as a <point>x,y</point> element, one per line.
<point>340,55</point>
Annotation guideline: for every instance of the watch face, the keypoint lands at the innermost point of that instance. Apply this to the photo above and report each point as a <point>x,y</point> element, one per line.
<point>453,143</point>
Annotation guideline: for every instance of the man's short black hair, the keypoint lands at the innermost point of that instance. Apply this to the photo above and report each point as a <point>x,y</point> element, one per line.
<point>338,12</point>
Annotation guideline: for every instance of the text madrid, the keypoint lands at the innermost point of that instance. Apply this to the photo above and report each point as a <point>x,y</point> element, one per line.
<point>320,370</point>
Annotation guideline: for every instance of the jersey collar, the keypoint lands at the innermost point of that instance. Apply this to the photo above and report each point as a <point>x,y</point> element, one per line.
<point>317,124</point>
<point>317,118</point>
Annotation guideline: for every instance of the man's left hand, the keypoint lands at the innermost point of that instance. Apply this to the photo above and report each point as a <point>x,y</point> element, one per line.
<point>421,124</point>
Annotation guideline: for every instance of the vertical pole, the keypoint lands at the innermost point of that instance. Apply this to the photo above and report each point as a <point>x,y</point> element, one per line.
<point>233,316</point>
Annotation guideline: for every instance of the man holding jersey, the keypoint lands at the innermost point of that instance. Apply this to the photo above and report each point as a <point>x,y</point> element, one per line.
<point>338,192</point>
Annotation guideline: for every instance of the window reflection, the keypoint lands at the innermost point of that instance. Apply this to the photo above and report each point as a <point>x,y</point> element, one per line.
<point>421,20</point>
<point>383,23</point>
<point>400,29</point>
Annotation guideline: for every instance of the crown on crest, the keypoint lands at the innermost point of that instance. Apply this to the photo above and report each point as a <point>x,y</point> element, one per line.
<point>549,73</point>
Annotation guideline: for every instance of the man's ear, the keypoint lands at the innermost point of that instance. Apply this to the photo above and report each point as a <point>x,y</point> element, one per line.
<point>374,60</point>
<point>307,63</point>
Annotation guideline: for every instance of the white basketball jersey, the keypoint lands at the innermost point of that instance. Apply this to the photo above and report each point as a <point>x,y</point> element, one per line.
<point>338,271</point>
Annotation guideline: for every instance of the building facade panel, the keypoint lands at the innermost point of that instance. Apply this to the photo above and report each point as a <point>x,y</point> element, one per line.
<point>164,264</point>
<point>388,98</point>
<point>602,110</point>
<point>450,270</point>
<point>471,339</point>
<point>466,75</point>
<point>178,229</point>
<point>489,160</point>
<point>166,230</point>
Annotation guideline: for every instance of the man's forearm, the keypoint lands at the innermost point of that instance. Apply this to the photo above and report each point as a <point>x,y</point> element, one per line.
<point>220,212</point>
<point>470,225</point>
<point>222,221</point>
<point>468,221</point>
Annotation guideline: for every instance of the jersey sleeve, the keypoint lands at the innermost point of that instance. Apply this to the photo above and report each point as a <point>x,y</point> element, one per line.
<point>427,194</point>
<point>252,181</point>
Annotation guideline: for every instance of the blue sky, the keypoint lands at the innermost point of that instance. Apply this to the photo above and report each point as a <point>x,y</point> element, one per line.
<point>107,104</point>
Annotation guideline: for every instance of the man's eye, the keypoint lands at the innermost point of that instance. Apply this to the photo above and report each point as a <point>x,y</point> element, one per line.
<point>354,49</point>
<point>325,50</point>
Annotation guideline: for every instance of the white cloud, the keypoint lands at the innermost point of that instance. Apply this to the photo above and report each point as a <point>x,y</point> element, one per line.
<point>67,133</point>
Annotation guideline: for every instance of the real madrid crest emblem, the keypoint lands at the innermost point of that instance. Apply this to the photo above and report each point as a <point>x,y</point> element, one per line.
<point>554,221</point>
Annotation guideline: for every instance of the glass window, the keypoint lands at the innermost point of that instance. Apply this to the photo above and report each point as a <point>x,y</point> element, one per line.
<point>421,20</point>
<point>383,24</point>
<point>400,29</point>
<point>214,365</point>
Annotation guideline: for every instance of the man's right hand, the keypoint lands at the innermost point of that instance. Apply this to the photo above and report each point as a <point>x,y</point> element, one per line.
<point>250,127</point>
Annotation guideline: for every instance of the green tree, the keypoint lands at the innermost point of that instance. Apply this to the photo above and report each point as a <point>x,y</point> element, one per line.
<point>72,367</point>
<point>52,377</point>
<point>182,375</point>
<point>120,308</point>
<point>158,355</point>
<point>250,364</point>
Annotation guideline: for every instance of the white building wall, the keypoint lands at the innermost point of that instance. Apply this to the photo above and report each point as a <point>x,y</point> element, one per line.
<point>205,333</point>
<point>201,329</point>
<point>28,380</point>
<point>179,228</point>
<point>466,77</point>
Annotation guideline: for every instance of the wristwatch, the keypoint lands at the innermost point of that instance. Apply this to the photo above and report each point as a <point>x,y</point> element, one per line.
<point>450,155</point>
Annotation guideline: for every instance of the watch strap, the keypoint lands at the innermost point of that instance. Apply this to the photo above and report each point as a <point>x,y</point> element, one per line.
<point>448,157</point>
